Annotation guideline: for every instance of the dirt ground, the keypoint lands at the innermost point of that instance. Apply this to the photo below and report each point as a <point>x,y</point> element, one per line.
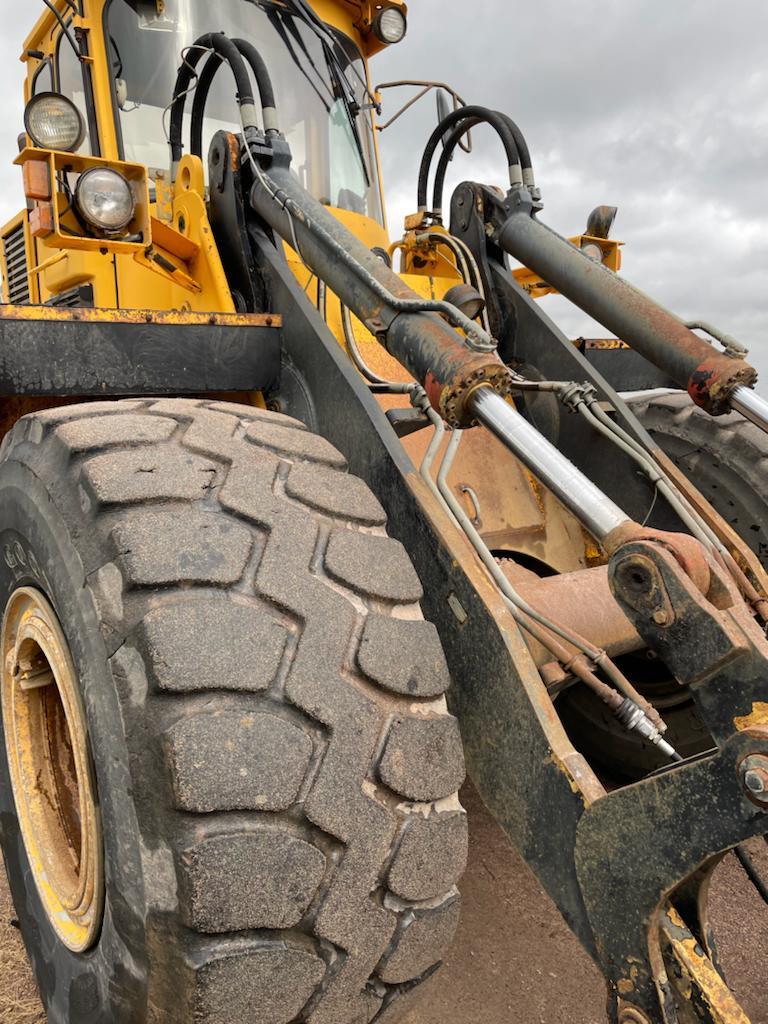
<point>514,962</point>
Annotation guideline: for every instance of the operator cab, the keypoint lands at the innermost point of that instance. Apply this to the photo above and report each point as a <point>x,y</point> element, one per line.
<point>331,138</point>
<point>102,179</point>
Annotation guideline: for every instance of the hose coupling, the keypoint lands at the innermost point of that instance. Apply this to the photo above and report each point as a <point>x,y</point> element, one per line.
<point>634,719</point>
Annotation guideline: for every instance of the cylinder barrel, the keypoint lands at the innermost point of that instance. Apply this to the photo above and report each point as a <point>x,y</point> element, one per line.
<point>709,376</point>
<point>423,342</point>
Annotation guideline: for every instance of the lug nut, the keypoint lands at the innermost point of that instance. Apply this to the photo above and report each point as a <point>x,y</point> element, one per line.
<point>754,775</point>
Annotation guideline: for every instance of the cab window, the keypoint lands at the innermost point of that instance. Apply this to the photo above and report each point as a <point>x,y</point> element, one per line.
<point>70,81</point>
<point>43,80</point>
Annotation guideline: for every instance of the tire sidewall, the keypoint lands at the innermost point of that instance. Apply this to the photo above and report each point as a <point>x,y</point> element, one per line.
<point>108,982</point>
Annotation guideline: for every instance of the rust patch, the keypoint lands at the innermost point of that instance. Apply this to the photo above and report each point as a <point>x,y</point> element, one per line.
<point>179,318</point>
<point>712,383</point>
<point>686,550</point>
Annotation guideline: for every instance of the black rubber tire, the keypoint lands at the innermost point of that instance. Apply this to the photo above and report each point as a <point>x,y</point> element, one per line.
<point>727,458</point>
<point>276,767</point>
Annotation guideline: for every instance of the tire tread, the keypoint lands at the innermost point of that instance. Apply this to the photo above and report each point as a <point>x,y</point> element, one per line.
<point>229,527</point>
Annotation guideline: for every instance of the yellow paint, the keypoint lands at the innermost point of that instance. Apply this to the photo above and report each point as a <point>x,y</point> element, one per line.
<point>71,892</point>
<point>56,314</point>
<point>68,233</point>
<point>756,719</point>
<point>8,229</point>
<point>537,288</point>
<point>701,973</point>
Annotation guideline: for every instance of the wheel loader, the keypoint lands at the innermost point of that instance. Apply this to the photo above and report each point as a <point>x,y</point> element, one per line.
<point>299,525</point>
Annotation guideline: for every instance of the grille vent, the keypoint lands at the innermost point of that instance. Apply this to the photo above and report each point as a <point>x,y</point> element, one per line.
<point>15,252</point>
<point>74,298</point>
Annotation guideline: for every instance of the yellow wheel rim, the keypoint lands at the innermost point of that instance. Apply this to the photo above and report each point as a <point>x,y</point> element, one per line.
<point>46,739</point>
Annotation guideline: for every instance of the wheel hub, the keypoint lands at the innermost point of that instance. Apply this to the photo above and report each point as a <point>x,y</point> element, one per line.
<point>52,778</point>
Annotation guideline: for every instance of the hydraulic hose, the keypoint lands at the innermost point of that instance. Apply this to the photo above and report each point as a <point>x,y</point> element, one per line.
<point>450,147</point>
<point>205,81</point>
<point>226,50</point>
<point>483,115</point>
<point>263,81</point>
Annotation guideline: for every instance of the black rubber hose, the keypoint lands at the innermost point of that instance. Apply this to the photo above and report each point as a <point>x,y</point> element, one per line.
<point>455,139</point>
<point>184,78</point>
<point>205,81</point>
<point>65,31</point>
<point>484,115</point>
<point>445,159</point>
<point>224,48</point>
<point>260,71</point>
<point>522,145</point>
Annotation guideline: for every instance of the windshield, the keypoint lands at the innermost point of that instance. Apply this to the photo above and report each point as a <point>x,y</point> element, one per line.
<point>333,161</point>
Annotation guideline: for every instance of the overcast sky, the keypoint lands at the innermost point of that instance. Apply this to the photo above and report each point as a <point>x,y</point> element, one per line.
<point>659,107</point>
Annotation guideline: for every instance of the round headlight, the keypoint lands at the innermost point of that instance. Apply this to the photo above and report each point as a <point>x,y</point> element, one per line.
<point>390,25</point>
<point>53,122</point>
<point>104,199</point>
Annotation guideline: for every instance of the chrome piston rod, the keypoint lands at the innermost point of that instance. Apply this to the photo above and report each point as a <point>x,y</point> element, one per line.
<point>576,491</point>
<point>751,406</point>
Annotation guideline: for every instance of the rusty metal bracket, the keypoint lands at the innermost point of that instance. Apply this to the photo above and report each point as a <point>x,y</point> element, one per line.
<point>647,840</point>
<point>711,643</point>
<point>640,843</point>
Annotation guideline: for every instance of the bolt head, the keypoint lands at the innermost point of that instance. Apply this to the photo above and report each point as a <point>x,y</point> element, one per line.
<point>754,777</point>
<point>754,781</point>
<point>660,617</point>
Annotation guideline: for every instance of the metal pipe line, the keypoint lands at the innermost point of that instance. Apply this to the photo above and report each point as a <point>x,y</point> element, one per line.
<point>467,266</point>
<point>570,486</point>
